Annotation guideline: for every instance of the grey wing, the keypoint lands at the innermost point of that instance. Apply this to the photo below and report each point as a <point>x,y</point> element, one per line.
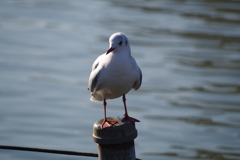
<point>93,82</point>
<point>138,82</point>
<point>96,62</point>
<point>94,76</point>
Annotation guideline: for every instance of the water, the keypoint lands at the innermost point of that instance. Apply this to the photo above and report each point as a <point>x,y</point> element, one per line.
<point>189,53</point>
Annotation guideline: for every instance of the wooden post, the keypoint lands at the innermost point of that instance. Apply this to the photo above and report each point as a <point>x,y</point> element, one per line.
<point>117,142</point>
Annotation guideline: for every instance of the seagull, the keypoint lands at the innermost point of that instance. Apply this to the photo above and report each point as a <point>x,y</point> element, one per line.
<point>114,74</point>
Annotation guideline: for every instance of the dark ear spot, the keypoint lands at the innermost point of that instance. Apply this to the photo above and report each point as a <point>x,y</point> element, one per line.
<point>126,43</point>
<point>120,43</point>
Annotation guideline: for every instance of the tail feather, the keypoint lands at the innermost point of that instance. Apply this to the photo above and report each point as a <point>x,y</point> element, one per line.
<point>96,97</point>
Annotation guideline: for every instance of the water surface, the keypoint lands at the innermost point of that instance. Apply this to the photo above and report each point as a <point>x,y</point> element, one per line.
<point>189,53</point>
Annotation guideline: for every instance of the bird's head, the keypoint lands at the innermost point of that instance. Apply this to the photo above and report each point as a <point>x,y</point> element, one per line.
<point>117,42</point>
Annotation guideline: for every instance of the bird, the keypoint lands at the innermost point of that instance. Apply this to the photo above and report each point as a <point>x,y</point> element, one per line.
<point>114,74</point>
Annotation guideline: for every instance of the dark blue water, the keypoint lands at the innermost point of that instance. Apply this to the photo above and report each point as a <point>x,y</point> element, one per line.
<point>189,53</point>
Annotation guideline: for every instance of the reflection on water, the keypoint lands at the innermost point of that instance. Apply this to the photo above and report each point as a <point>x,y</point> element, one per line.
<point>193,120</point>
<point>197,154</point>
<point>189,52</point>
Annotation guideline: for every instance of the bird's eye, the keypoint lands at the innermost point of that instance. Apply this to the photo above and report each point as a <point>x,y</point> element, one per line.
<point>120,43</point>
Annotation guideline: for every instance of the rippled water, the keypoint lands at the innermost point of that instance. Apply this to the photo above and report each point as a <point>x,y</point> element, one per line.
<point>189,53</point>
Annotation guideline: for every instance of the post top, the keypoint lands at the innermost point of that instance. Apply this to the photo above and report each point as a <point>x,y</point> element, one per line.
<point>120,132</point>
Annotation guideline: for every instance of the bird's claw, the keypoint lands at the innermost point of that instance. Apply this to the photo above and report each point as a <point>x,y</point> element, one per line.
<point>129,119</point>
<point>107,124</point>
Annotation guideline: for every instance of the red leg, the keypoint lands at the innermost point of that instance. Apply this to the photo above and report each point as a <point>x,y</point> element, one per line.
<point>106,123</point>
<point>126,117</point>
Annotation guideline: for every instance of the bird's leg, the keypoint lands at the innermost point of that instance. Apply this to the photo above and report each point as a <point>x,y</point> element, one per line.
<point>126,117</point>
<point>106,123</point>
